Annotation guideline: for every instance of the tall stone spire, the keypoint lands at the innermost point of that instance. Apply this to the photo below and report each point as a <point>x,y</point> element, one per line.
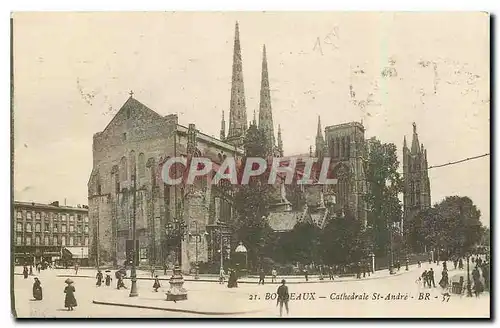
<point>222,127</point>
<point>320,141</point>
<point>280,142</point>
<point>415,146</point>
<point>254,121</point>
<point>265,109</point>
<point>237,109</point>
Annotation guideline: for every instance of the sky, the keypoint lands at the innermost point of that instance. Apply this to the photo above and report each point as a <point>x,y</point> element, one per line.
<point>73,71</point>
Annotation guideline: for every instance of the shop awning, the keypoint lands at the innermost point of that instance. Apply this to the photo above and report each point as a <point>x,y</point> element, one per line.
<point>78,252</point>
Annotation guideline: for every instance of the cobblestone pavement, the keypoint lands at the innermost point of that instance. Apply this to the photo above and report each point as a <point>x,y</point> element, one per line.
<point>394,296</point>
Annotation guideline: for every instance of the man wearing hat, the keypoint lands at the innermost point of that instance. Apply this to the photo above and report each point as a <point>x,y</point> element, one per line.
<point>283,297</point>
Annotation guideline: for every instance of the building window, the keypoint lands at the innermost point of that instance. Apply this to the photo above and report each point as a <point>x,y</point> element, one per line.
<point>141,166</point>
<point>86,219</point>
<point>19,214</point>
<point>124,136</point>
<point>86,241</point>
<point>37,216</point>
<point>54,216</point>
<point>63,228</point>
<point>28,215</point>
<point>28,227</point>
<point>78,218</point>
<point>71,228</point>
<point>71,219</point>
<point>63,240</point>
<point>38,227</point>
<point>63,217</point>
<point>55,241</point>
<point>123,169</point>
<point>55,228</point>
<point>46,240</point>
<point>86,229</point>
<point>79,229</point>
<point>19,226</point>
<point>28,241</point>
<point>37,240</point>
<point>78,241</point>
<point>19,240</point>
<point>71,241</point>
<point>46,227</point>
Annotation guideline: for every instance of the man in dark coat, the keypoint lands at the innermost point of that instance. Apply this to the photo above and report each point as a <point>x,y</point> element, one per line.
<point>431,278</point>
<point>283,297</point>
<point>425,278</point>
<point>25,272</point>
<point>262,275</point>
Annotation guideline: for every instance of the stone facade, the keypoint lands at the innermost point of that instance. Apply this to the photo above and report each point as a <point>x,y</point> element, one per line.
<point>417,189</point>
<point>139,140</point>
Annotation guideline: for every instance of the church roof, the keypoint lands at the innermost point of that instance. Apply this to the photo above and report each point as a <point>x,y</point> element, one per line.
<point>283,221</point>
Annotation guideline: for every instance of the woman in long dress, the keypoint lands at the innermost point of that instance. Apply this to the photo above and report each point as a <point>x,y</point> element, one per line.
<point>69,300</point>
<point>37,290</point>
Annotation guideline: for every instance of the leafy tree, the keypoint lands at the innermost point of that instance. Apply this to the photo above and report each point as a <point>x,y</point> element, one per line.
<point>384,185</point>
<point>342,241</point>
<point>453,225</point>
<point>301,244</point>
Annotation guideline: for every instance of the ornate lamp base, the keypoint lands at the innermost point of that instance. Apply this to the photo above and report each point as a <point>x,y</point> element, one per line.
<point>176,291</point>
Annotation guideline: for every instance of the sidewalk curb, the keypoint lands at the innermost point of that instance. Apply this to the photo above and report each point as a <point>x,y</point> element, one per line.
<point>289,282</point>
<point>170,309</point>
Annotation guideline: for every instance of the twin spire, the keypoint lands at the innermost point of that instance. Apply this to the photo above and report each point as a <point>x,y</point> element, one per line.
<point>237,109</point>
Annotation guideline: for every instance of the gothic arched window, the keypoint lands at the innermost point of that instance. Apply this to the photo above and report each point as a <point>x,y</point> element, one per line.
<point>341,172</point>
<point>123,169</point>
<point>133,168</point>
<point>141,166</point>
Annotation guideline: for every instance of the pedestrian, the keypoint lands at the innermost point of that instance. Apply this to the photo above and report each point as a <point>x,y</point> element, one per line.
<point>233,279</point>
<point>283,297</point>
<point>425,278</point>
<point>262,275</point>
<point>330,272</point>
<point>398,265</point>
<point>119,282</point>
<point>38,267</point>
<point>363,270</point>
<point>222,276</point>
<point>152,271</point>
<point>273,275</point>
<point>306,274</point>
<point>69,300</point>
<point>478,286</point>
<point>76,268</point>
<point>431,278</point>
<point>444,279</point>
<point>460,264</point>
<point>156,284</point>
<point>486,275</point>
<point>31,270</point>
<point>25,272</point>
<point>37,290</point>
<point>99,278</point>
<point>108,279</point>
<point>165,269</point>
<point>455,263</point>
<point>419,264</point>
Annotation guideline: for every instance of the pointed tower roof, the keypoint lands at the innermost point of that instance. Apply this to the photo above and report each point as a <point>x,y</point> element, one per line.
<point>237,109</point>
<point>265,110</point>
<point>404,142</point>
<point>415,146</point>
<point>319,133</point>
<point>280,142</point>
<point>254,121</point>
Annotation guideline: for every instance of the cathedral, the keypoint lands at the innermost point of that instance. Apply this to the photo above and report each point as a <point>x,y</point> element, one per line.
<point>125,182</point>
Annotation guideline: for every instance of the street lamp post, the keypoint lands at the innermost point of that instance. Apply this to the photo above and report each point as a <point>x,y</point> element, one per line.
<point>133,273</point>
<point>177,292</point>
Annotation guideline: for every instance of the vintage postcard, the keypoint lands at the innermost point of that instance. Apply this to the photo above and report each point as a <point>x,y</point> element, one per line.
<point>251,165</point>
